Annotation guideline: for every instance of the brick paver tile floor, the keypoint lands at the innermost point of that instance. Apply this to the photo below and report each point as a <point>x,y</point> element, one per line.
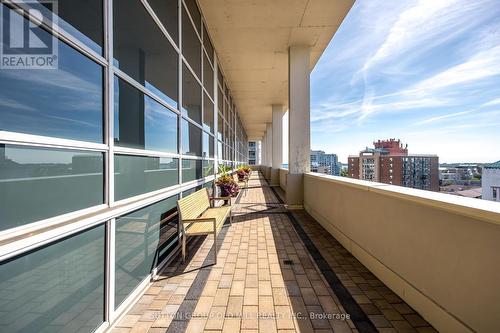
<point>276,272</point>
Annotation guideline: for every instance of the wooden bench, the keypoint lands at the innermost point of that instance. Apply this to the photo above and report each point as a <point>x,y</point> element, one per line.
<point>198,217</point>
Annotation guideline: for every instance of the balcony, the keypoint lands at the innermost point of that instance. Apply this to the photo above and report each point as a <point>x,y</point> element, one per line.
<point>360,256</point>
<point>172,98</point>
<point>277,271</point>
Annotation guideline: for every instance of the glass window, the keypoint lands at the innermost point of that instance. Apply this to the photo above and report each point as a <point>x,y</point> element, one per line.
<point>220,151</point>
<point>191,170</point>
<point>208,168</point>
<point>167,12</point>
<point>208,44</point>
<point>209,186</point>
<point>188,192</point>
<point>225,134</point>
<point>220,101</point>
<point>195,13</point>
<point>143,239</point>
<point>141,122</point>
<point>43,183</point>
<point>66,102</point>
<point>191,139</point>
<point>141,49</point>
<point>227,116</point>
<point>220,76</point>
<point>208,145</point>
<point>136,175</point>
<point>191,45</point>
<point>81,18</point>
<point>191,95</point>
<point>220,126</point>
<point>208,76</point>
<point>208,114</point>
<point>56,288</point>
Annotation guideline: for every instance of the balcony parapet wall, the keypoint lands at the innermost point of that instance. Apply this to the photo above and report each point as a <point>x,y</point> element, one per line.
<point>436,251</point>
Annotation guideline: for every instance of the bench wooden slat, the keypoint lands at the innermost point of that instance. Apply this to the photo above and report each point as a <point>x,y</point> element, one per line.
<point>194,204</point>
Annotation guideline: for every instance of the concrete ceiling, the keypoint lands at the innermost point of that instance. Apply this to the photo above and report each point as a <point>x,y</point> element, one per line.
<point>252,38</point>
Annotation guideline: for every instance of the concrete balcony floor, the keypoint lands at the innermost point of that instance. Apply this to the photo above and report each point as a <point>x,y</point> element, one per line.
<point>277,271</point>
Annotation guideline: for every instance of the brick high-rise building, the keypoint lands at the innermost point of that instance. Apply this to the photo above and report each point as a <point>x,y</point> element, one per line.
<point>393,146</point>
<point>390,163</point>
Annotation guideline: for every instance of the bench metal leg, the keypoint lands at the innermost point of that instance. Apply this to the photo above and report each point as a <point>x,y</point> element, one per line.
<point>215,247</point>
<point>183,247</point>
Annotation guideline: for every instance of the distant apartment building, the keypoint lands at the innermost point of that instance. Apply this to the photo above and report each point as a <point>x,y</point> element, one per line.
<point>491,181</point>
<point>459,172</point>
<point>390,163</point>
<point>321,169</point>
<point>253,153</point>
<point>324,163</point>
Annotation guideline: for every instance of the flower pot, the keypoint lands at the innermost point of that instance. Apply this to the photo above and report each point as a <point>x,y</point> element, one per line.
<point>225,191</point>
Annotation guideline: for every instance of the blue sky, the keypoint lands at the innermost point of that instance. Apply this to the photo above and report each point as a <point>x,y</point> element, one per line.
<point>424,71</point>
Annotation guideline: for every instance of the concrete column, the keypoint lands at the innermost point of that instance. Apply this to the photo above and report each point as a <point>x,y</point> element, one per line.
<point>277,158</point>
<point>263,153</point>
<point>269,149</point>
<point>299,131</point>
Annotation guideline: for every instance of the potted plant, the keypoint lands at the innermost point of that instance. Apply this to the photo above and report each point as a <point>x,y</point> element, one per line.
<point>227,186</point>
<point>241,172</point>
<point>247,169</point>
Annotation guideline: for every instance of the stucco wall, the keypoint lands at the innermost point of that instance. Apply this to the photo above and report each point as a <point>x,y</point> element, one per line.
<point>440,257</point>
<point>283,173</point>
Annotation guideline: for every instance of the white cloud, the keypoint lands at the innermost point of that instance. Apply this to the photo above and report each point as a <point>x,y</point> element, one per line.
<point>424,24</point>
<point>482,65</point>
<point>13,104</point>
<point>493,102</point>
<point>442,117</point>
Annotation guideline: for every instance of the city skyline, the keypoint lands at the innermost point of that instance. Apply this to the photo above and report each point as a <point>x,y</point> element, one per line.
<point>424,72</point>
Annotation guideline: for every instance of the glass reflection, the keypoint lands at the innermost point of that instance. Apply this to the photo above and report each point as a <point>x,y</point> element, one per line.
<point>140,122</point>
<point>208,145</point>
<point>143,239</point>
<point>43,182</point>
<point>167,12</point>
<point>208,114</point>
<point>208,44</point>
<point>191,170</point>
<point>191,139</point>
<point>83,19</point>
<point>208,168</point>
<point>191,44</point>
<point>208,76</point>
<point>56,288</point>
<point>136,175</point>
<point>141,49</point>
<point>66,102</point>
<point>195,13</point>
<point>191,95</point>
